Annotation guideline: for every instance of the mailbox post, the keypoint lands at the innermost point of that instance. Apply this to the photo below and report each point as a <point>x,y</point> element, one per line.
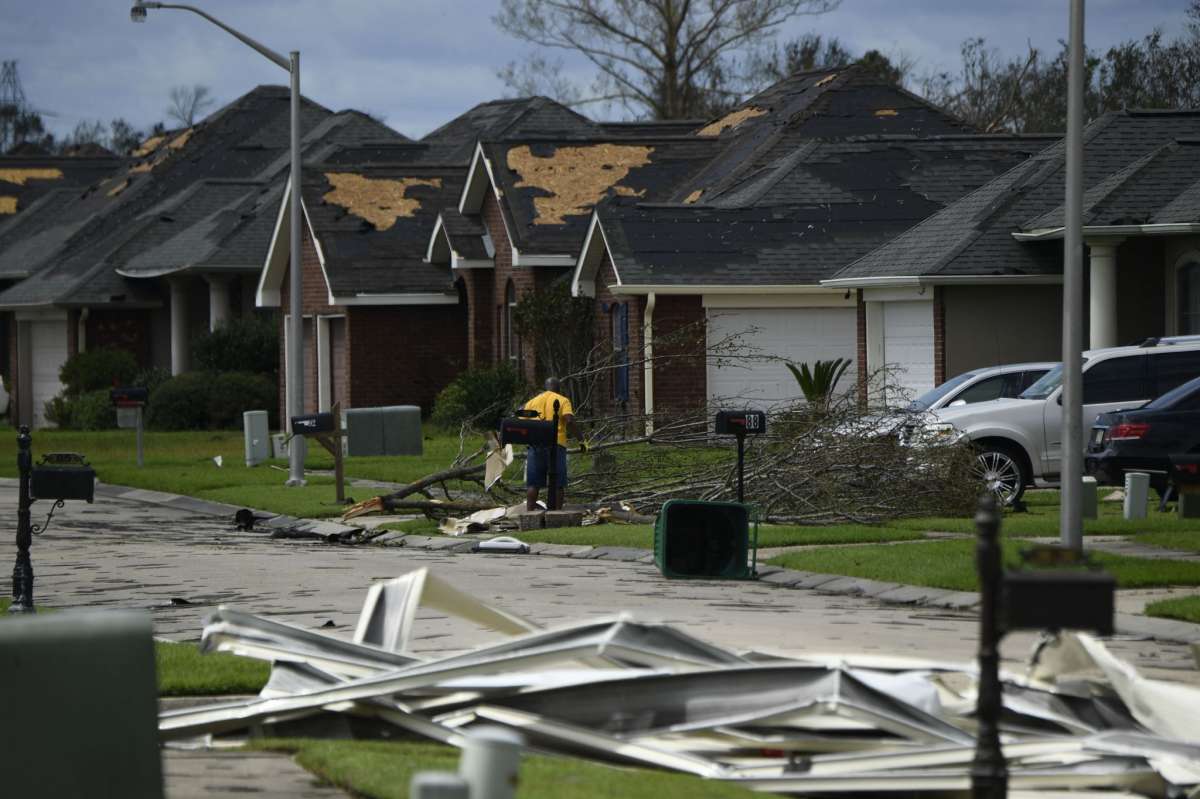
<point>741,424</point>
<point>327,429</point>
<point>131,400</point>
<point>61,476</point>
<point>1070,594</point>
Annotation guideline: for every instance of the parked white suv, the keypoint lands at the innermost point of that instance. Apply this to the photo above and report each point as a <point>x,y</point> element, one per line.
<point>1019,441</point>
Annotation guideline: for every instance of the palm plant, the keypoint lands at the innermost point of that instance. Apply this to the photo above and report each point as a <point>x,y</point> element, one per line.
<point>817,384</point>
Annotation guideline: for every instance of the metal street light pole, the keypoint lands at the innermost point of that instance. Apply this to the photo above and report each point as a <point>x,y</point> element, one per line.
<point>295,330</point>
<point>1071,508</point>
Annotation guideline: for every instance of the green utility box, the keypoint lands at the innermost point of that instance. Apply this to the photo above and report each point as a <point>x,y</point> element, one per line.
<point>704,540</point>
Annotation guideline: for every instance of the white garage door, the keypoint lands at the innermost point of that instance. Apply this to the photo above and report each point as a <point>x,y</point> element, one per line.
<point>908,343</point>
<point>798,335</point>
<point>48,351</point>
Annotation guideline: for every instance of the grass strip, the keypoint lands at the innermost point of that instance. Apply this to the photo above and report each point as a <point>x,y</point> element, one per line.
<point>1182,540</point>
<point>183,670</point>
<point>384,769</point>
<point>1183,608</point>
<point>951,565</point>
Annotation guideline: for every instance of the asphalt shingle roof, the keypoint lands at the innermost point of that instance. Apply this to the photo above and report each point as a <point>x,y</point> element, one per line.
<point>974,235</point>
<point>522,117</point>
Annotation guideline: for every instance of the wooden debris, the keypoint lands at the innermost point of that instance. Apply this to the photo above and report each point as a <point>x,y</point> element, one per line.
<point>576,177</point>
<point>20,175</point>
<point>380,202</point>
<point>731,120</point>
<point>8,205</point>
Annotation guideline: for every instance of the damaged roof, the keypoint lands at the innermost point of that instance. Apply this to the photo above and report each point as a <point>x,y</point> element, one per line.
<point>373,224</point>
<point>216,177</point>
<point>516,118</point>
<point>25,178</point>
<point>551,186</point>
<point>807,215</point>
<point>1127,175</point>
<point>821,104</point>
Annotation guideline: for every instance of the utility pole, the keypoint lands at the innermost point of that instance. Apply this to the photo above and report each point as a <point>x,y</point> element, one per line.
<point>12,105</point>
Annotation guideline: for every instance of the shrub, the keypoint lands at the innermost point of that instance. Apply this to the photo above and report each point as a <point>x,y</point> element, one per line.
<point>239,345</point>
<point>97,369</point>
<point>207,400</point>
<point>92,410</point>
<point>479,396</point>
<point>151,378</point>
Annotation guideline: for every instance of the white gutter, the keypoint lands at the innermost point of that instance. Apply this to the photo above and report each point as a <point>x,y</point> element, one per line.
<point>785,288</point>
<point>648,362</point>
<point>394,299</point>
<point>909,281</point>
<point>1100,231</point>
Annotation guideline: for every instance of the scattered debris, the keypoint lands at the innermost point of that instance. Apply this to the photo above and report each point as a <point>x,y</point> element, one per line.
<point>621,691</point>
<point>732,120</point>
<point>379,201</point>
<point>502,543</point>
<point>219,460</point>
<point>19,175</point>
<point>244,520</point>
<point>576,177</point>
<point>179,601</point>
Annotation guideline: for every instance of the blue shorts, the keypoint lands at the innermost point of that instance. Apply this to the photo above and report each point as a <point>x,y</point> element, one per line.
<point>537,467</point>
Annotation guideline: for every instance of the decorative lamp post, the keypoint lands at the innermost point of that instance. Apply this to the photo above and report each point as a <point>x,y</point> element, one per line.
<point>295,343</point>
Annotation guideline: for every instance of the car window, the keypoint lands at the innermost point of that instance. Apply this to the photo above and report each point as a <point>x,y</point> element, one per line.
<point>1030,377</point>
<point>1171,369</point>
<point>926,400</point>
<point>1045,385</point>
<point>1185,397</point>
<point>1116,380</point>
<point>987,389</point>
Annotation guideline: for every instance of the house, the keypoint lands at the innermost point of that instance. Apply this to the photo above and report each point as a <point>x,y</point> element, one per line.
<point>980,282</point>
<point>166,246</point>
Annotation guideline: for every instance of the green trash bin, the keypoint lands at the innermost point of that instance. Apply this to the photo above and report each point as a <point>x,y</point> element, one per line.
<point>694,539</point>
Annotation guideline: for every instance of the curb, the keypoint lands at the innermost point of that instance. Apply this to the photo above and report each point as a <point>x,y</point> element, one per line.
<point>832,584</point>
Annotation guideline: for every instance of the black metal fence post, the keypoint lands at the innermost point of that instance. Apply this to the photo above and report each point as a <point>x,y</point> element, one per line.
<point>22,601</point>
<point>989,773</point>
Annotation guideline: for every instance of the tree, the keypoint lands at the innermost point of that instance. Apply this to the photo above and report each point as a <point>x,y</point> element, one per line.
<point>812,51</point>
<point>666,59</point>
<point>123,137</point>
<point>188,103</point>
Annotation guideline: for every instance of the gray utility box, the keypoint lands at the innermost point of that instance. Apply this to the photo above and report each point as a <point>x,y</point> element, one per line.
<point>393,430</point>
<point>258,437</point>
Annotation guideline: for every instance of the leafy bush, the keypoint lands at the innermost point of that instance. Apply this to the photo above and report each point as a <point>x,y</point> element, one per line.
<point>90,411</point>
<point>97,369</point>
<point>239,345</point>
<point>479,396</point>
<point>151,378</point>
<point>207,400</point>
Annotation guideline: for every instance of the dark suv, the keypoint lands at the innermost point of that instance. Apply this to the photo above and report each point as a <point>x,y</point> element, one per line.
<point>1143,439</point>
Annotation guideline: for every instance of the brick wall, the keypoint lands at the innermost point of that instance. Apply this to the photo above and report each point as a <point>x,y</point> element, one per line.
<point>604,401</point>
<point>404,354</point>
<point>127,330</point>
<point>314,296</point>
<point>939,335</point>
<point>680,365</point>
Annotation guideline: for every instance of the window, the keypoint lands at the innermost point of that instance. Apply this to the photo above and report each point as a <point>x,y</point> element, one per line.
<point>1185,397</point>
<point>1029,378</point>
<point>1188,290</point>
<point>1172,369</point>
<point>982,391</point>
<point>1116,380</point>
<point>619,313</point>
<point>512,342</point>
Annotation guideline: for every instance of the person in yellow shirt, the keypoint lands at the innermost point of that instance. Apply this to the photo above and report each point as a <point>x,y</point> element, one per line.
<point>537,464</point>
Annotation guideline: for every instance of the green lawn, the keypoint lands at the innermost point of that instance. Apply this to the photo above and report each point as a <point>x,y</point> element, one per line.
<point>951,564</point>
<point>183,671</point>
<point>383,770</point>
<point>1184,540</point>
<point>1185,609</point>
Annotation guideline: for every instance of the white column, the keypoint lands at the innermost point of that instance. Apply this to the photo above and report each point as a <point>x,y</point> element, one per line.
<point>179,326</point>
<point>218,300</point>
<point>1103,299</point>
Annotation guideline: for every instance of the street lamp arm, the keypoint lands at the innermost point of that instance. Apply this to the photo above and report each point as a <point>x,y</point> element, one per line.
<point>262,48</point>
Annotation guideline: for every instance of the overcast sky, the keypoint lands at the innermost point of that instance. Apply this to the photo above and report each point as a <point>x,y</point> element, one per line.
<point>417,63</point>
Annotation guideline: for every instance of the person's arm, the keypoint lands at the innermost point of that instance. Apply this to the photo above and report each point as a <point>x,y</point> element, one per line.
<point>574,431</point>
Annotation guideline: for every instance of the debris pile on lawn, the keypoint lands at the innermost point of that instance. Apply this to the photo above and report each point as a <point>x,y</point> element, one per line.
<point>651,695</point>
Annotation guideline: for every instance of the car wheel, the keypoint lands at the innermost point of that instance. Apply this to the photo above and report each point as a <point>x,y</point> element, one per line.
<point>1002,471</point>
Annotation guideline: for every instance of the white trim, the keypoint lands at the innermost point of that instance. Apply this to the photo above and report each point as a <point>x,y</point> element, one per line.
<point>438,227</point>
<point>1191,256</point>
<point>538,260</point>
<point>943,280</point>
<point>586,287</point>
<point>874,335</point>
<point>813,298</point>
<point>436,255</point>
<point>897,294</point>
<point>278,263</point>
<point>783,288</point>
<point>469,190</point>
<point>263,296</point>
<point>395,299</point>
<point>323,366</point>
<point>457,262</point>
<point>1158,229</point>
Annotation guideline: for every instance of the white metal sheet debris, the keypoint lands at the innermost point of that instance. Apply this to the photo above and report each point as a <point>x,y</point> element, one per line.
<point>652,695</point>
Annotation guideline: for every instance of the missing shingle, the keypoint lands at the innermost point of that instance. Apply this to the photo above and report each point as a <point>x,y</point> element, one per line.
<point>887,112</point>
<point>148,146</point>
<point>380,202</point>
<point>22,174</point>
<point>576,177</point>
<point>693,197</point>
<point>8,205</point>
<point>731,120</point>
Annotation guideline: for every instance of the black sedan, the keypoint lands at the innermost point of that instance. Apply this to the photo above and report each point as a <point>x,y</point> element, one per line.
<point>1143,439</point>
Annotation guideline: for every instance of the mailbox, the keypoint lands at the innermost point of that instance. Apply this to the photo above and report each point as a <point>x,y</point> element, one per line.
<point>312,424</point>
<point>741,423</point>
<point>62,476</point>
<point>530,432</point>
<point>1070,595</point>
<point>129,395</point>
